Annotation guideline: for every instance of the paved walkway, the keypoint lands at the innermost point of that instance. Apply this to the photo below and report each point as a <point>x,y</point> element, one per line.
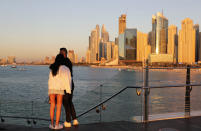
<point>192,124</point>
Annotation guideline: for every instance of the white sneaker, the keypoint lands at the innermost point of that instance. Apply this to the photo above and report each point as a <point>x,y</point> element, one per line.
<point>67,124</point>
<point>57,127</point>
<point>75,122</point>
<point>51,126</point>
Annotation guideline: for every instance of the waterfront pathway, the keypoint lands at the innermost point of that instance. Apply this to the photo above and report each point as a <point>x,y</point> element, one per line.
<point>191,124</point>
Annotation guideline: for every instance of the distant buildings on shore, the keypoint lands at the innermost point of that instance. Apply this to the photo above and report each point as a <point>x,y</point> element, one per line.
<point>8,60</point>
<point>46,61</point>
<point>100,48</point>
<point>163,44</point>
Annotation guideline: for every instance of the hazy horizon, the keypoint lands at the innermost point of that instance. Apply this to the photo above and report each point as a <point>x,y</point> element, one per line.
<point>31,30</point>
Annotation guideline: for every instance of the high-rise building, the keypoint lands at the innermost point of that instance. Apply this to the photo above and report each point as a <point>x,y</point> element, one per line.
<point>131,44</point>
<point>196,27</point>
<point>173,42</point>
<point>3,61</point>
<point>11,59</point>
<point>187,42</point>
<point>102,50</point>
<point>93,42</point>
<point>159,34</point>
<point>143,48</point>
<point>109,51</point>
<point>88,56</point>
<point>116,41</point>
<point>104,34</point>
<point>71,55</point>
<point>98,41</point>
<point>128,45</point>
<point>76,58</point>
<point>115,52</point>
<point>46,60</point>
<point>199,51</point>
<point>121,45</point>
<point>122,23</point>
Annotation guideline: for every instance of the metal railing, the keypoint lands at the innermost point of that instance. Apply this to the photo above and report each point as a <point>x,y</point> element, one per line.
<point>140,90</point>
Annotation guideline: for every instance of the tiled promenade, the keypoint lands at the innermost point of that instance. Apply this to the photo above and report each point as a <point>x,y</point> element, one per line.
<point>192,124</point>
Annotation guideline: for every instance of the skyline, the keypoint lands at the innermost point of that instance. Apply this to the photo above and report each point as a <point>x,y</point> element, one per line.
<point>35,26</point>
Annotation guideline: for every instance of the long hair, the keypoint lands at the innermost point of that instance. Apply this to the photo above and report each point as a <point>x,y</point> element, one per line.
<point>59,60</point>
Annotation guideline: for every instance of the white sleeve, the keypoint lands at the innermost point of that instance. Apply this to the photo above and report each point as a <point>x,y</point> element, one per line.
<point>66,79</point>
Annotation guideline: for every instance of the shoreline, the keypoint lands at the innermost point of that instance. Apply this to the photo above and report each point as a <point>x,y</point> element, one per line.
<point>124,68</point>
<point>134,68</point>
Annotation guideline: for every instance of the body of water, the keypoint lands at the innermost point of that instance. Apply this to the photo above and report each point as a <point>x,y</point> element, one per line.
<point>23,92</point>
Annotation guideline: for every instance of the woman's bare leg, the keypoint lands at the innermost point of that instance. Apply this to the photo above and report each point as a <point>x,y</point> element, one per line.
<point>59,103</point>
<point>52,107</point>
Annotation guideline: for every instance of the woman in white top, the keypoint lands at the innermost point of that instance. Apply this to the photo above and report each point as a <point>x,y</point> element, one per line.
<point>59,80</point>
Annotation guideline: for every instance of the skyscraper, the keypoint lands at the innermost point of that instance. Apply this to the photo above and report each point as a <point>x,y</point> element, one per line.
<point>71,55</point>
<point>131,44</point>
<point>109,51</point>
<point>173,42</point>
<point>121,45</point>
<point>122,23</point>
<point>76,58</point>
<point>104,34</point>
<point>11,59</point>
<point>128,45</point>
<point>88,56</point>
<point>196,27</point>
<point>199,51</point>
<point>93,49</point>
<point>159,34</point>
<point>143,48</point>
<point>187,42</point>
<point>98,41</point>
<point>102,50</point>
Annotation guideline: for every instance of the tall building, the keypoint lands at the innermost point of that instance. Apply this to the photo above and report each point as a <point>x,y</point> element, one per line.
<point>199,51</point>
<point>46,60</point>
<point>109,51</point>
<point>104,34</point>
<point>128,45</point>
<point>143,48</point>
<point>121,45</point>
<point>131,44</point>
<point>76,59</point>
<point>98,41</point>
<point>88,56</point>
<point>11,59</point>
<point>93,42</point>
<point>122,23</point>
<point>173,42</point>
<point>115,52</point>
<point>196,27</point>
<point>102,50</point>
<point>71,55</point>
<point>3,61</point>
<point>187,42</point>
<point>159,34</point>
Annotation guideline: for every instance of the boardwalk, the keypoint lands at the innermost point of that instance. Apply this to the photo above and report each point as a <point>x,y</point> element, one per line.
<point>192,124</point>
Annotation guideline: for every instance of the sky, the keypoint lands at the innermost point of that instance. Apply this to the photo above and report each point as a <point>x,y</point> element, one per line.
<point>33,29</point>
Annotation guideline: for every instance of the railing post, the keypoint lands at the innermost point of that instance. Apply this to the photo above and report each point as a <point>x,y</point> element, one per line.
<point>188,91</point>
<point>146,94</point>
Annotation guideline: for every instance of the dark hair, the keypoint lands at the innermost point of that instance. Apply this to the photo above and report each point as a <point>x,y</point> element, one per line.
<point>63,49</point>
<point>59,60</point>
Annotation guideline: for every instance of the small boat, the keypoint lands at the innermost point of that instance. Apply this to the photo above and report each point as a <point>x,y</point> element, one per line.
<point>13,66</point>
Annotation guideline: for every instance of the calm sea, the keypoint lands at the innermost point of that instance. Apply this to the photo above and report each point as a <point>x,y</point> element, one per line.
<point>23,92</point>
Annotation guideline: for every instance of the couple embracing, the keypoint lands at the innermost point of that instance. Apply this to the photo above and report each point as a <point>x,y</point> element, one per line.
<point>60,90</point>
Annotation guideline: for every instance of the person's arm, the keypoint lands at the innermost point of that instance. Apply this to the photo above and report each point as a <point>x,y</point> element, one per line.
<point>66,79</point>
